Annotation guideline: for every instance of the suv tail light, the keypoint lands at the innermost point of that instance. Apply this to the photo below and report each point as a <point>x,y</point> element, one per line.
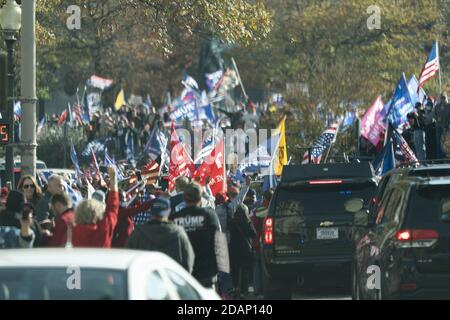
<point>416,238</point>
<point>268,231</point>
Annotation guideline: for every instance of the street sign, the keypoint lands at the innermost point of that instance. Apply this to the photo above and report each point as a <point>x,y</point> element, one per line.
<point>5,132</point>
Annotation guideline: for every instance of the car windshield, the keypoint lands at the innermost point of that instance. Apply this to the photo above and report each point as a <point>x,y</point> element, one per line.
<point>323,199</point>
<point>62,284</point>
<point>428,204</point>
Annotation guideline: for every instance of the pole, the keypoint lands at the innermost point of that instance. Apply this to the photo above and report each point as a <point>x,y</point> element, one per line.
<point>239,78</point>
<point>28,85</point>
<point>9,156</point>
<point>440,68</point>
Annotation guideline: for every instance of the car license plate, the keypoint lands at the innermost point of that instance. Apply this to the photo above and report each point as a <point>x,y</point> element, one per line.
<point>327,233</point>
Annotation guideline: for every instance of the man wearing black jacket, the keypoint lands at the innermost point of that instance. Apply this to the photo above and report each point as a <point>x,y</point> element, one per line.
<point>201,225</point>
<point>159,234</point>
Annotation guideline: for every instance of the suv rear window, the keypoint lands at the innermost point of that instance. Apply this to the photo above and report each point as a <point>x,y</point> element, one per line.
<point>320,199</point>
<point>427,205</point>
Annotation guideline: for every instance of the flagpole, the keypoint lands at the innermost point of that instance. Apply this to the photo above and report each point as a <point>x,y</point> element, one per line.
<point>239,78</point>
<point>440,68</point>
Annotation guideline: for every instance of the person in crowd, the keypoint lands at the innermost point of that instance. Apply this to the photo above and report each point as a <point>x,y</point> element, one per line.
<point>417,118</point>
<point>43,211</point>
<point>29,187</point>
<point>16,223</point>
<point>177,200</point>
<point>430,130</point>
<point>96,222</point>
<point>65,218</point>
<point>162,235</point>
<point>260,214</point>
<point>442,113</point>
<point>3,197</point>
<point>125,225</point>
<point>250,117</point>
<point>242,234</point>
<point>201,225</point>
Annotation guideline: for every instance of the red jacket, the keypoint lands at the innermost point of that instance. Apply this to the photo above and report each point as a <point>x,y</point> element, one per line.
<point>125,225</point>
<point>59,237</point>
<point>99,235</point>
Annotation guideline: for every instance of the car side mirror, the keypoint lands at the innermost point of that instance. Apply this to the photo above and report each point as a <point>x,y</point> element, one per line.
<point>354,205</point>
<point>445,217</point>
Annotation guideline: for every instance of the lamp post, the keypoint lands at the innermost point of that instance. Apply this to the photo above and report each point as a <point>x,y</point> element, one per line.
<point>10,22</point>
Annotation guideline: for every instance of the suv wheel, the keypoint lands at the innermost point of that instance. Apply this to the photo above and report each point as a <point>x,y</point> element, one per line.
<point>277,289</point>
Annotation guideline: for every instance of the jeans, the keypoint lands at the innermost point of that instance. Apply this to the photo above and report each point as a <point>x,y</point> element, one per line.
<point>419,143</point>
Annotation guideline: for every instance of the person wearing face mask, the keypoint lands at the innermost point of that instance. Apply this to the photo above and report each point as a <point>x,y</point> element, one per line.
<point>16,223</point>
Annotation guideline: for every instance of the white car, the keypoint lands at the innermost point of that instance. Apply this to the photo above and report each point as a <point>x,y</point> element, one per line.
<point>95,274</point>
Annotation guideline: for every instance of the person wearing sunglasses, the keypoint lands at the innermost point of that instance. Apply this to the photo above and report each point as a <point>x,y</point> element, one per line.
<point>29,187</point>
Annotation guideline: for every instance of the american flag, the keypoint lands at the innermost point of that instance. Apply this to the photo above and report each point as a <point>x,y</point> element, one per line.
<point>402,151</point>
<point>78,113</point>
<point>326,139</point>
<point>150,172</point>
<point>431,66</point>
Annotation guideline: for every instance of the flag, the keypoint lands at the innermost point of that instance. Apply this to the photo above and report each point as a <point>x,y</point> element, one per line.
<point>78,113</point>
<point>181,163</point>
<point>214,168</point>
<point>417,94</point>
<point>41,125</point>
<point>212,79</point>
<point>207,148</point>
<point>95,146</point>
<point>372,123</point>
<point>269,182</point>
<point>384,161</point>
<point>120,100</point>
<point>150,172</point>
<point>401,104</point>
<point>63,118</point>
<point>324,142</point>
<point>403,153</point>
<point>190,82</point>
<point>305,159</point>
<point>74,158</point>
<point>348,120</point>
<point>156,144</point>
<point>17,111</point>
<point>281,158</point>
<point>99,83</point>
<point>431,66</point>
<point>112,162</point>
<point>74,195</point>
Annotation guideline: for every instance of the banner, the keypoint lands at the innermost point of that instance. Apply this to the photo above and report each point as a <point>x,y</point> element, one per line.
<point>372,123</point>
<point>401,104</point>
<point>99,83</point>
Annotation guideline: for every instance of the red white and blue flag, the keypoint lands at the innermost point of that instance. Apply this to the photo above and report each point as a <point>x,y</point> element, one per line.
<point>323,143</point>
<point>431,66</point>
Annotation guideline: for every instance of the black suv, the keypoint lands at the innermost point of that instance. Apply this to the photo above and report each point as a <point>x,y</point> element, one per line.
<point>406,237</point>
<point>307,230</point>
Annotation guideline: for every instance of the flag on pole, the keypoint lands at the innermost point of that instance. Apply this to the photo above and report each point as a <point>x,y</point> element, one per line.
<point>120,100</point>
<point>78,113</point>
<point>281,158</point>
<point>431,66</point>
<point>63,118</point>
<point>41,125</point>
<point>156,144</point>
<point>372,123</point>
<point>99,83</point>
<point>401,104</point>
<point>181,163</point>
<point>324,142</point>
<point>403,153</point>
<point>74,158</point>
<point>214,168</point>
<point>112,162</point>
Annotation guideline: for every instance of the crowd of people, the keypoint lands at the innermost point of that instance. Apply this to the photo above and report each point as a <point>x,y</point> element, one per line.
<point>182,224</point>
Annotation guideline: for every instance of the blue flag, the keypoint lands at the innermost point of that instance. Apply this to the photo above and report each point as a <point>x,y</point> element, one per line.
<point>156,144</point>
<point>401,104</point>
<point>74,158</point>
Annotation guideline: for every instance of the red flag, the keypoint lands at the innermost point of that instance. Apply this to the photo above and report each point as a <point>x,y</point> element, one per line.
<point>63,118</point>
<point>181,164</point>
<point>214,168</point>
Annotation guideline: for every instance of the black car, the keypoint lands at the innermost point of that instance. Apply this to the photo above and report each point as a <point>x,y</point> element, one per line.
<point>307,231</point>
<point>403,243</point>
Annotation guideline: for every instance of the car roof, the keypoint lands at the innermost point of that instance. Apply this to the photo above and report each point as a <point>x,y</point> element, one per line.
<point>349,170</point>
<point>423,174</point>
<point>85,258</point>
